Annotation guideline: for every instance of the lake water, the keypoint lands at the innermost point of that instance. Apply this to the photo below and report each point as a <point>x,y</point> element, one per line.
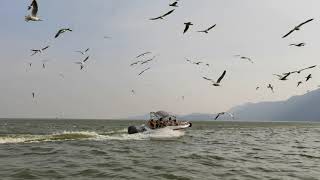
<point>102,149</point>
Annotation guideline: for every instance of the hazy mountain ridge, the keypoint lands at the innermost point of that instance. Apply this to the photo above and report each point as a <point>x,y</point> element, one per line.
<point>297,108</point>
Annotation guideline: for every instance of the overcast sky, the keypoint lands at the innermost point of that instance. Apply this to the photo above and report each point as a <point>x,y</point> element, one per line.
<point>103,89</point>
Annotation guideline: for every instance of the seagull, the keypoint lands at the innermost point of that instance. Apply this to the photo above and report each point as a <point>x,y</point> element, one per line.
<point>284,77</point>
<point>30,64</point>
<point>222,113</point>
<point>162,16</point>
<point>33,95</point>
<point>143,71</point>
<point>271,87</point>
<point>245,58</point>
<point>197,63</point>
<point>134,63</point>
<point>257,88</point>
<point>133,92</point>
<point>308,77</point>
<point>208,64</point>
<point>188,60</point>
<point>35,51</point>
<point>207,30</point>
<point>61,31</point>
<point>174,4</point>
<point>298,45</point>
<point>297,28</point>
<point>34,11</point>
<point>300,82</point>
<point>82,63</point>
<point>84,52</point>
<point>220,78</point>
<point>187,25</point>
<point>146,61</point>
<point>299,71</point>
<point>143,54</point>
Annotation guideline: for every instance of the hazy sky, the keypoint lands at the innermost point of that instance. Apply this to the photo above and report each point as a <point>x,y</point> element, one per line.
<point>103,89</point>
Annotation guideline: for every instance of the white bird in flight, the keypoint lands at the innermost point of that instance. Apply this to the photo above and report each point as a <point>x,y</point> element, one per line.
<point>33,16</point>
<point>82,63</point>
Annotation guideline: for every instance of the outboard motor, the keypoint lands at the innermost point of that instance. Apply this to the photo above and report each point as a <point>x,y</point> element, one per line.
<point>135,129</point>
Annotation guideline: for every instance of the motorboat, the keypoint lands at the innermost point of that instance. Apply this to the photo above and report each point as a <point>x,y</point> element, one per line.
<point>160,120</point>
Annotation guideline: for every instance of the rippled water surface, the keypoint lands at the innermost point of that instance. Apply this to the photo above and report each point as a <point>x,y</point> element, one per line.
<point>96,149</point>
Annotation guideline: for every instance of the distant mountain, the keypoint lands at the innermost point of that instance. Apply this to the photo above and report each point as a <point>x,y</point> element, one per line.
<point>297,108</point>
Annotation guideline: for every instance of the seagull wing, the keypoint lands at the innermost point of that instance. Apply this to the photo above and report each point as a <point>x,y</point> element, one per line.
<point>58,33</point>
<point>140,55</point>
<point>86,59</point>
<point>221,77</point>
<point>34,5</point>
<point>143,71</point>
<point>277,75</point>
<point>174,4</point>
<point>186,28</point>
<point>80,52</point>
<point>45,48</point>
<point>309,20</point>
<point>166,14</point>
<point>211,27</point>
<point>160,17</point>
<point>87,50</point>
<point>288,33</point>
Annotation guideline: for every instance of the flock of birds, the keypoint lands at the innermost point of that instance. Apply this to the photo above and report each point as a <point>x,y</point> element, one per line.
<point>144,59</point>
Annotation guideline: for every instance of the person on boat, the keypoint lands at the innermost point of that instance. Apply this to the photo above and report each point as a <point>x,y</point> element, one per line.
<point>152,124</point>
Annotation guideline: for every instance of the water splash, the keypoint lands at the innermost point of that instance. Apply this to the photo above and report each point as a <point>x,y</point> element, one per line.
<point>120,135</point>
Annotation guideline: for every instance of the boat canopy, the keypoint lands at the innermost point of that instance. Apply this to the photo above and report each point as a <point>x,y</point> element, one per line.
<point>161,114</point>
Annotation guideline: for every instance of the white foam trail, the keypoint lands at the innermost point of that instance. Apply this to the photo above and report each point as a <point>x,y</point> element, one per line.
<point>154,134</point>
<point>120,135</point>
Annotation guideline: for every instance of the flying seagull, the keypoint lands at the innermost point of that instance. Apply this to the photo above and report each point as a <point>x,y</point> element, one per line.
<point>308,77</point>
<point>84,52</point>
<point>162,16</point>
<point>135,63</point>
<point>270,87</point>
<point>35,51</point>
<point>300,82</point>
<point>207,30</point>
<point>298,44</point>
<point>143,71</point>
<point>197,63</point>
<point>245,58</point>
<point>220,78</point>
<point>146,61</point>
<point>187,25</point>
<point>34,11</point>
<point>297,28</point>
<point>143,54</point>
<point>284,77</point>
<point>257,87</point>
<point>174,4</point>
<point>63,30</point>
<point>82,63</point>
<point>222,113</point>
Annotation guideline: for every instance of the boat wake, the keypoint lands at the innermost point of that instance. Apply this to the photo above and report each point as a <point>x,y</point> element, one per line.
<point>120,135</point>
